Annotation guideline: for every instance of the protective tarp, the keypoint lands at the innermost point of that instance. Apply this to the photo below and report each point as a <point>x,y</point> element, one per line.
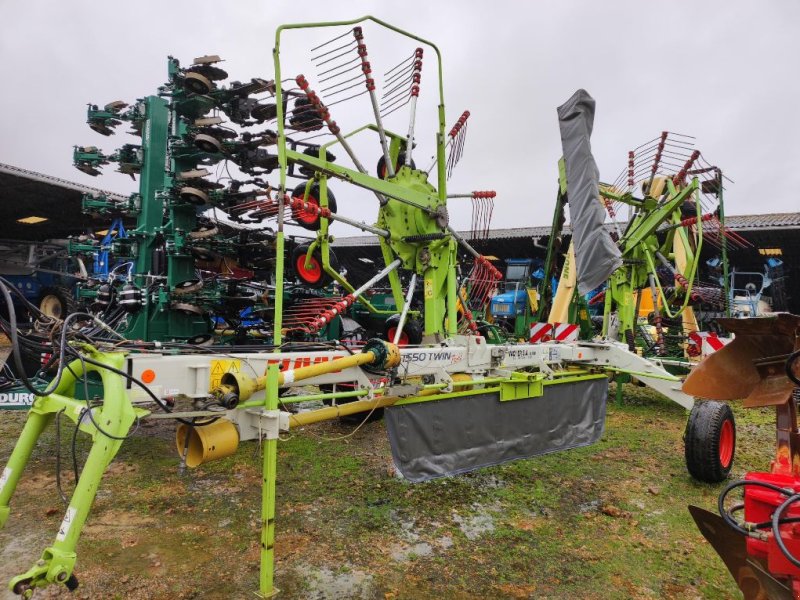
<point>596,254</point>
<point>456,435</point>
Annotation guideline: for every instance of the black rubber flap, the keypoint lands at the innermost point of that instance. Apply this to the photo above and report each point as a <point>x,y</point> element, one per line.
<point>456,435</point>
<point>596,255</point>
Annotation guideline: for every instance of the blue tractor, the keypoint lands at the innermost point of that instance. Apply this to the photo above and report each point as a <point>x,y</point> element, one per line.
<point>511,308</point>
<point>44,273</point>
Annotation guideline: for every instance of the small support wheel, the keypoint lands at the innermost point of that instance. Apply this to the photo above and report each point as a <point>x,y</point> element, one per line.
<point>313,275</point>
<point>57,302</point>
<point>310,219</point>
<point>710,441</point>
<point>401,160</point>
<point>411,334</point>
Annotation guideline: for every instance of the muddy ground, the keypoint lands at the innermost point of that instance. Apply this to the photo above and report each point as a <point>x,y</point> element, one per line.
<point>607,521</point>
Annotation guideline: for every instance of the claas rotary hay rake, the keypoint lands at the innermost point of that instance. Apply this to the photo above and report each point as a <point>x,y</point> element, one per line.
<point>164,327</point>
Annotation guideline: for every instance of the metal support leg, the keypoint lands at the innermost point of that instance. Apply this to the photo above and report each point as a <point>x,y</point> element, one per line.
<point>9,478</point>
<point>115,417</point>
<point>620,381</point>
<point>267,573</point>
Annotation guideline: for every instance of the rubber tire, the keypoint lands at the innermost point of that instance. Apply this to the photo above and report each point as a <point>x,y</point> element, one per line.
<point>412,329</point>
<point>325,279</point>
<point>702,441</point>
<point>313,197</point>
<point>401,159</point>
<point>68,303</point>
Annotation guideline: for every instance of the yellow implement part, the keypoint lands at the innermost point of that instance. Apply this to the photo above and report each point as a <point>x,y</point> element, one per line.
<point>243,386</point>
<point>332,412</point>
<point>689,319</point>
<point>207,442</point>
<point>559,313</point>
<point>533,300</point>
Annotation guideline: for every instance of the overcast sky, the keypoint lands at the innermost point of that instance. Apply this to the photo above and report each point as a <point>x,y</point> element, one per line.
<point>723,71</point>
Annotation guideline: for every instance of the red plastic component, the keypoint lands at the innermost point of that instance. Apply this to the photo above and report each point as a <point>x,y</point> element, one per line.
<point>727,442</point>
<point>630,168</point>
<point>415,90</point>
<point>362,50</point>
<point>492,269</point>
<point>357,33</point>
<point>418,53</point>
<point>693,220</point>
<point>313,273</point>
<point>370,84</point>
<point>682,173</point>
<point>302,82</point>
<point>459,124</point>
<point>403,341</point>
<point>759,504</point>
<point>366,67</point>
<point>609,207</point>
<point>598,298</point>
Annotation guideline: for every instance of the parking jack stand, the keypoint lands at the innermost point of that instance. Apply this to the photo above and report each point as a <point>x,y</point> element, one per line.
<point>267,573</point>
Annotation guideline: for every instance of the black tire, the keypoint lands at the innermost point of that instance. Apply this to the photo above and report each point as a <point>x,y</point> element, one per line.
<point>401,159</point>
<point>57,302</point>
<point>307,220</point>
<point>308,276</point>
<point>710,441</point>
<point>412,331</point>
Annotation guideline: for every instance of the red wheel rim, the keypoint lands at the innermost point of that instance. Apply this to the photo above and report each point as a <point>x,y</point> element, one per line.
<point>307,217</point>
<point>313,273</point>
<point>403,341</point>
<point>727,438</point>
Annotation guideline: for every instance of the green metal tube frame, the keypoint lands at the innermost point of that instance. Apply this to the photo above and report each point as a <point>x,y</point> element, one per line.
<point>694,261</point>
<point>385,188</point>
<point>322,234</point>
<point>116,415</point>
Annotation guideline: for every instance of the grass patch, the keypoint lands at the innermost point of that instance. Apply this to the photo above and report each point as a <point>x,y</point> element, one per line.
<point>605,521</point>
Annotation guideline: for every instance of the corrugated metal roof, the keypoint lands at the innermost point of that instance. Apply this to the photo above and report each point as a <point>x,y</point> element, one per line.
<point>790,220</point>
<point>25,193</point>
<point>767,221</point>
<point>49,179</point>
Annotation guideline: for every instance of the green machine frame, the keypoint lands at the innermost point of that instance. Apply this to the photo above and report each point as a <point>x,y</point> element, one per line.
<point>414,212</point>
<point>419,239</point>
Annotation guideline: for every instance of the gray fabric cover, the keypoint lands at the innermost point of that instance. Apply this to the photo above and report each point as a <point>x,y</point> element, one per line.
<point>446,437</point>
<point>596,254</point>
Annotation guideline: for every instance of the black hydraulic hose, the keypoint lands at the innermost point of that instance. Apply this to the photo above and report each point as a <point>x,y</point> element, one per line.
<point>776,532</point>
<point>12,333</point>
<point>88,410</point>
<point>777,517</point>
<point>742,483</point>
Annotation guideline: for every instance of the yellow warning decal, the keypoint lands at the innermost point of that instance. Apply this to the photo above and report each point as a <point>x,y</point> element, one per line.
<point>222,366</point>
<point>428,288</point>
